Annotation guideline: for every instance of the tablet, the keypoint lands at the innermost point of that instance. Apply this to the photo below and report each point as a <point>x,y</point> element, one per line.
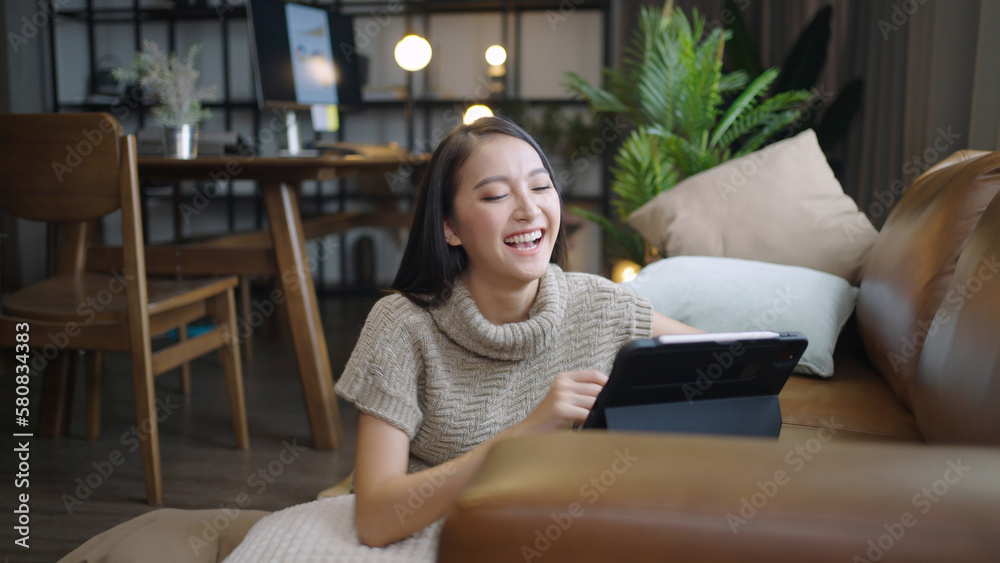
<point>720,383</point>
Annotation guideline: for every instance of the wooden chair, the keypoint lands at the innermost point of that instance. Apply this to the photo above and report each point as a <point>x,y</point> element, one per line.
<point>75,168</point>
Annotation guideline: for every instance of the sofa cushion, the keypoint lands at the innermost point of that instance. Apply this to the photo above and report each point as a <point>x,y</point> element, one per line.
<point>912,263</point>
<point>957,391</point>
<point>728,294</point>
<point>857,399</point>
<point>781,204</point>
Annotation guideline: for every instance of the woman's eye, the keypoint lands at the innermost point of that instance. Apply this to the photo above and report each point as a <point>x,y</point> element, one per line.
<point>494,197</point>
<point>542,188</point>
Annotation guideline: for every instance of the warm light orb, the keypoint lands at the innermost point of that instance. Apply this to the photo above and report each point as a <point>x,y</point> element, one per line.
<point>475,112</point>
<point>321,69</point>
<point>624,271</point>
<point>496,55</point>
<point>413,52</point>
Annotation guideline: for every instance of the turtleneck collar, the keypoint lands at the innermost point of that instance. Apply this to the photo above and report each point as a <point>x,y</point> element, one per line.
<point>460,320</point>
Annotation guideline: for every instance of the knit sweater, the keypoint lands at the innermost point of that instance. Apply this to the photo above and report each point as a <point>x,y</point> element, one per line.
<point>451,380</point>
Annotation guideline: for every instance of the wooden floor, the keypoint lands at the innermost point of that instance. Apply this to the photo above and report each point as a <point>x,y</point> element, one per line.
<point>201,466</point>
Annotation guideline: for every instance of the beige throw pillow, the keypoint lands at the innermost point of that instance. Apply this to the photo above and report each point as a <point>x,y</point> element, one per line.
<point>781,204</point>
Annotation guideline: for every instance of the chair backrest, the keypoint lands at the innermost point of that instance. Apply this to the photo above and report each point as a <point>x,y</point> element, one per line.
<point>74,168</point>
<point>60,166</point>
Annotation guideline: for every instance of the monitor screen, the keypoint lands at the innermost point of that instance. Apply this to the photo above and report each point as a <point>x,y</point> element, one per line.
<point>302,55</point>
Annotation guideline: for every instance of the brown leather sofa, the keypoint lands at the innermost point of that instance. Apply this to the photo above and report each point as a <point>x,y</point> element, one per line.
<point>895,458</point>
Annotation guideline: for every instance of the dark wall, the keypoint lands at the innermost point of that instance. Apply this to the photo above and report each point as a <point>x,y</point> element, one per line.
<point>4,79</point>
<point>24,81</point>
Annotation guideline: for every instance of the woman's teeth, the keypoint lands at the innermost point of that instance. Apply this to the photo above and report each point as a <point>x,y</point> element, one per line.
<point>524,241</point>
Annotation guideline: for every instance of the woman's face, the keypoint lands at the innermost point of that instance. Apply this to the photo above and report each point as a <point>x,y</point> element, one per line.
<point>506,212</point>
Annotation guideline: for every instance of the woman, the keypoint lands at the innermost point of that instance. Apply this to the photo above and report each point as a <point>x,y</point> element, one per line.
<point>485,337</point>
<point>476,284</point>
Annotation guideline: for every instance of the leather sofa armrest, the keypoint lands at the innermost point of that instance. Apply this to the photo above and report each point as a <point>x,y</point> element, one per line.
<point>599,496</point>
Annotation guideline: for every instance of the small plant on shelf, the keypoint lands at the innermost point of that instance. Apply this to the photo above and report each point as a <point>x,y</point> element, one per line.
<point>172,84</point>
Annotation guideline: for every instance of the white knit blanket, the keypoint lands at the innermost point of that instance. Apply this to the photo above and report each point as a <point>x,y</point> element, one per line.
<point>324,530</point>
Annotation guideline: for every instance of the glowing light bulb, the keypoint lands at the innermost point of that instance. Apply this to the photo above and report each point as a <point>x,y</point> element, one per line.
<point>413,52</point>
<point>475,112</point>
<point>496,55</point>
<point>624,271</point>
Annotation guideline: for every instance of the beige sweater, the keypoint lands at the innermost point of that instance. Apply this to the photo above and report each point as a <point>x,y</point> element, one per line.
<point>451,380</point>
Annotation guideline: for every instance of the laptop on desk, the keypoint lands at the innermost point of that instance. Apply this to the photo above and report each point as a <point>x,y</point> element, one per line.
<point>714,383</point>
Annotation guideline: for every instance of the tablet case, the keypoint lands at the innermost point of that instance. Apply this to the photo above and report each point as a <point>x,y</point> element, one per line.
<point>724,383</point>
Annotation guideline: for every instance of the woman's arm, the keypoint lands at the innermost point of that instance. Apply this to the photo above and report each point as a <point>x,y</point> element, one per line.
<point>391,505</point>
<point>665,325</point>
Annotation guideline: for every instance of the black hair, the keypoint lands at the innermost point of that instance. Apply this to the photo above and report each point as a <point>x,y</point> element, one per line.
<point>430,265</point>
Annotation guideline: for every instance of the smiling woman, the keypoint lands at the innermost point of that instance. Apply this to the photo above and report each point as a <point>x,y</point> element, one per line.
<point>479,342</point>
<point>507,224</point>
<point>477,187</point>
<point>485,338</point>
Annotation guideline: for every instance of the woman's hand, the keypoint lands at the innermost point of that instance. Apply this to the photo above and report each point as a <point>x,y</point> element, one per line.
<point>569,400</point>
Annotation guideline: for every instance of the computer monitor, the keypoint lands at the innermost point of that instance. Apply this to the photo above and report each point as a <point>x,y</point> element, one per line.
<point>303,56</point>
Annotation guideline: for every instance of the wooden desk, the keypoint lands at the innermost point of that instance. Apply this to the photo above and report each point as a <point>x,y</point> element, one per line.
<point>280,253</point>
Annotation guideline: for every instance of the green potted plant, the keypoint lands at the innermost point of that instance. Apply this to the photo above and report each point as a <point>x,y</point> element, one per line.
<point>687,115</point>
<point>172,84</point>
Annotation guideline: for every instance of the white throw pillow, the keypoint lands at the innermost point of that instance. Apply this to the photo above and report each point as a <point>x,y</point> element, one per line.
<point>729,294</point>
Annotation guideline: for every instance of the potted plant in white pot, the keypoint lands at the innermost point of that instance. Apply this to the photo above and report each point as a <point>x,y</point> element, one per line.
<point>172,84</point>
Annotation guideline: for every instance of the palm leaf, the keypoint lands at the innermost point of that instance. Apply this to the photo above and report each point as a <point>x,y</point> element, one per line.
<point>760,115</point>
<point>600,100</point>
<point>743,102</point>
<point>774,125</point>
<point>733,81</point>
<point>642,169</point>
<point>689,158</point>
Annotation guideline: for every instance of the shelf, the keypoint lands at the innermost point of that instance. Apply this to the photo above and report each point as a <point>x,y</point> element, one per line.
<point>471,6</point>
<point>128,15</point>
<point>380,104</point>
<point>434,102</point>
<point>361,8</point>
<point>176,20</point>
<point>98,106</point>
<point>374,105</point>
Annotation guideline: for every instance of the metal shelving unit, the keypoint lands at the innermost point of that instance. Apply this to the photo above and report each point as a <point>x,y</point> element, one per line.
<point>226,14</point>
